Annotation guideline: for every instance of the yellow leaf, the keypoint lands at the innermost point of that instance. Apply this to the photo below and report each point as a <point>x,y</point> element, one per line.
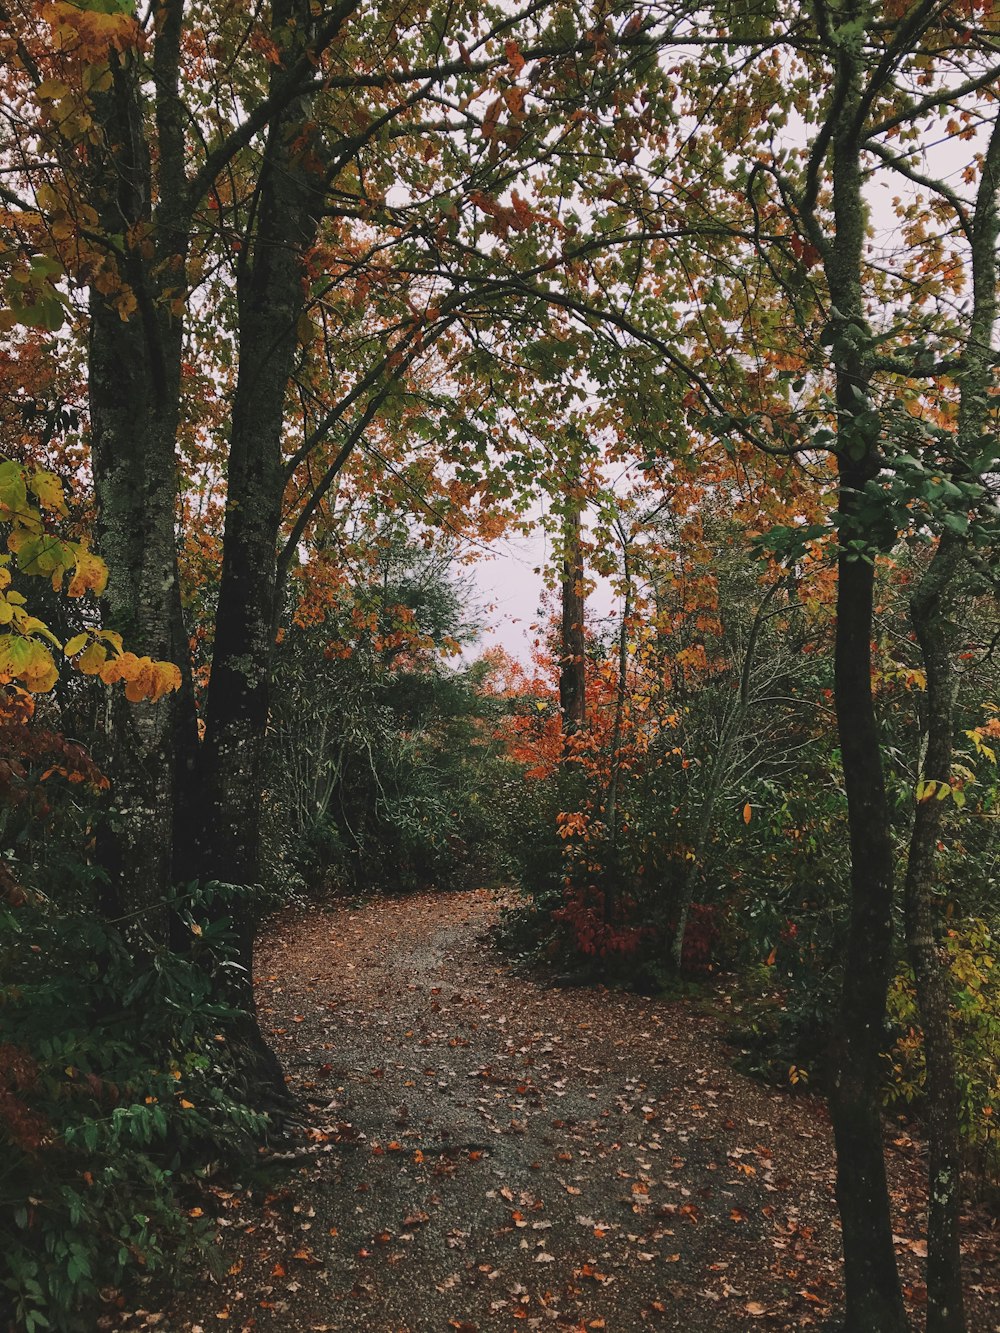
<point>145,679</point>
<point>43,680</point>
<point>32,625</point>
<point>167,677</point>
<point>49,90</point>
<point>13,492</point>
<point>39,672</point>
<point>48,489</point>
<point>113,637</point>
<point>76,644</point>
<point>91,662</point>
<point>140,686</point>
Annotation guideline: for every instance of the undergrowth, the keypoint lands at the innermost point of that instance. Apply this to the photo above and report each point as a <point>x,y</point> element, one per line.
<point>116,1092</point>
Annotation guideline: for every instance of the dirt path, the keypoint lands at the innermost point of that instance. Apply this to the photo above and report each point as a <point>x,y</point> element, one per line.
<point>488,1154</point>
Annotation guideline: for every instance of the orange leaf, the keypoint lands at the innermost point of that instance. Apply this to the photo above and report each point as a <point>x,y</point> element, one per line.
<point>513,53</point>
<point>492,117</point>
<point>91,573</point>
<point>126,667</point>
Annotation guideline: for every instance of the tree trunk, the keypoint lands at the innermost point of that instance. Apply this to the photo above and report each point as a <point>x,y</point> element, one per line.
<point>934,609</point>
<point>621,695</point>
<point>874,1299</point>
<point>572,657</point>
<point>134,390</point>
<point>611,870</point>
<point>270,296</point>
<point>135,404</point>
<point>945,1307</point>
<point>874,1302</point>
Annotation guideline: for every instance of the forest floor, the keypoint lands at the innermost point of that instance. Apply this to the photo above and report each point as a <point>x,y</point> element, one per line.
<point>484,1152</point>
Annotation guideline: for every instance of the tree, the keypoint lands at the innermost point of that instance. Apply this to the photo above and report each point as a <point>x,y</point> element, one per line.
<point>876,327</point>
<point>943,588</point>
<point>295,198</point>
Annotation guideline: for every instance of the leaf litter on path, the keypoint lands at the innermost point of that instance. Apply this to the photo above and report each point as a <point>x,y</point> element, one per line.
<point>483,1152</point>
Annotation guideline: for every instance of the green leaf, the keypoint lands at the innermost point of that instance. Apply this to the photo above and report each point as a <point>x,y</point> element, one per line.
<point>13,491</point>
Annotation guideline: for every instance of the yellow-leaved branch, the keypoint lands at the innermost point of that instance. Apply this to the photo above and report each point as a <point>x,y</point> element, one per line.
<point>29,501</point>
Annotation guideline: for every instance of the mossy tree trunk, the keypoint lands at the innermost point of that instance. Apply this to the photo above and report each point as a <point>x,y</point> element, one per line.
<point>134,365</point>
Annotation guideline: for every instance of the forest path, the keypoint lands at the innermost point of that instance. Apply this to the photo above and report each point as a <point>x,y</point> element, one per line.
<point>486,1153</point>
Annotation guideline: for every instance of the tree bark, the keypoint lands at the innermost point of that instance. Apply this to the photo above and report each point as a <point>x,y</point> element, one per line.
<point>873,1296</point>
<point>572,658</point>
<point>621,695</point>
<point>270,296</point>
<point>134,391</point>
<point>929,610</point>
<point>874,1302</point>
<point>934,609</point>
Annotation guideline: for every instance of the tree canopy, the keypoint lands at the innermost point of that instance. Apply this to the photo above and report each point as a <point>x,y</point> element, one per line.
<point>297,297</point>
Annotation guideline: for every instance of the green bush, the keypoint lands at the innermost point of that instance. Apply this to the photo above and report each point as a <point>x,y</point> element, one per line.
<point>384,771</point>
<point>971,951</point>
<point>113,1094</point>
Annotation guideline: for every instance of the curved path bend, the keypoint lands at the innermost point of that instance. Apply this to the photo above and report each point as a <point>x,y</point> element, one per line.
<point>486,1153</point>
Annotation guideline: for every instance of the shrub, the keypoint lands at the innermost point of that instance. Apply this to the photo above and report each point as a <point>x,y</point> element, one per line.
<point>971,951</point>
<point>112,1094</point>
